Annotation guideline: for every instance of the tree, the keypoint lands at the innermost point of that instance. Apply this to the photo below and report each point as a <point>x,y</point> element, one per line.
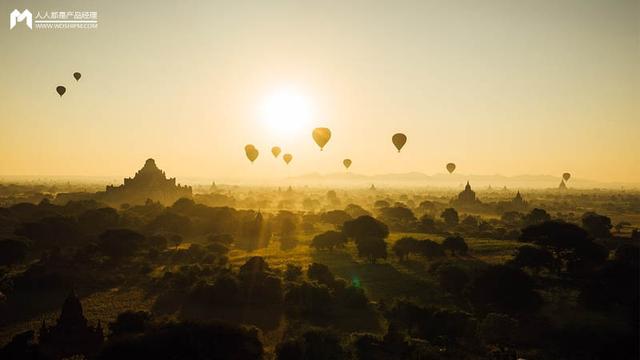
<point>621,225</point>
<point>598,226</point>
<point>512,218</point>
<point>335,217</point>
<point>328,240</point>
<point>12,252</point>
<point>355,211</point>
<point>176,241</point>
<point>403,247</point>
<point>308,299</point>
<point>471,222</point>
<point>427,224</point>
<point>256,265</point>
<point>120,243</point>
<point>130,322</point>
<point>365,227</point>
<point>498,329</point>
<point>321,274</point>
<point>426,207</point>
<point>399,218</point>
<point>430,249</point>
<point>169,221</point>
<point>534,258</point>
<point>455,244</point>
<point>293,272</point>
<point>188,341</point>
<point>536,216</point>
<point>570,244</point>
<point>372,248</point>
<point>440,326</point>
<point>450,217</point>
<point>95,221</point>
<point>332,198</point>
<point>286,223</point>
<point>501,288</point>
<point>312,345</point>
<point>627,254</point>
<point>452,278</point>
<point>51,232</point>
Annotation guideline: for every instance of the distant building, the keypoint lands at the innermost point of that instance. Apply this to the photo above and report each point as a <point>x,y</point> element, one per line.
<point>562,185</point>
<point>71,335</point>
<point>518,201</point>
<point>466,198</point>
<point>148,183</point>
<point>516,204</point>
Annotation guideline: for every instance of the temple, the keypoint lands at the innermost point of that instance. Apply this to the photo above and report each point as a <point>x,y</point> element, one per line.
<point>518,203</point>
<point>71,335</point>
<point>466,198</point>
<point>148,183</point>
<point>562,185</point>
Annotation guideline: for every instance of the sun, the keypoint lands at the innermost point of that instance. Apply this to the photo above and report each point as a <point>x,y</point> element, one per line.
<point>286,112</point>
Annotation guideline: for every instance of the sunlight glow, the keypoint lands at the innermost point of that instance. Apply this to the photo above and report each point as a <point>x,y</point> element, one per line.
<point>286,112</point>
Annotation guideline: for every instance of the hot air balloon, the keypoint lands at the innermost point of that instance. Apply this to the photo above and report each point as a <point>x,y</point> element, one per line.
<point>566,176</point>
<point>61,90</point>
<point>321,136</point>
<point>275,151</point>
<point>346,163</point>
<point>252,152</point>
<point>77,75</point>
<point>399,140</point>
<point>287,158</point>
<point>451,167</point>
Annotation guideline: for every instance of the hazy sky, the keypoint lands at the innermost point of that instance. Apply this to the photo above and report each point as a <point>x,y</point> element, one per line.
<point>508,87</point>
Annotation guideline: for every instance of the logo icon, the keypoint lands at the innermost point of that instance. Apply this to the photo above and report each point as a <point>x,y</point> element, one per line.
<point>17,16</point>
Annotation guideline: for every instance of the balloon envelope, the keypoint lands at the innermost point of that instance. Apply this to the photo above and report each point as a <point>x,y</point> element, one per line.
<point>321,136</point>
<point>566,176</point>
<point>287,158</point>
<point>61,90</point>
<point>399,140</point>
<point>275,151</point>
<point>346,163</point>
<point>451,167</point>
<point>252,152</point>
<point>77,76</point>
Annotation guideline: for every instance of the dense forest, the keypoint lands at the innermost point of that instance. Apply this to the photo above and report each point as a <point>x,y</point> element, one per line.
<point>325,275</point>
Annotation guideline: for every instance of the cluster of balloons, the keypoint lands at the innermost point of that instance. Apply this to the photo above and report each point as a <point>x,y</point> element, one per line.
<point>252,153</point>
<point>61,89</point>
<point>322,136</point>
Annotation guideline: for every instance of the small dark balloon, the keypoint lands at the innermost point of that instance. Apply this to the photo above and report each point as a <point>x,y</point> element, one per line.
<point>451,167</point>
<point>346,163</point>
<point>566,176</point>
<point>77,75</point>
<point>399,140</point>
<point>61,90</point>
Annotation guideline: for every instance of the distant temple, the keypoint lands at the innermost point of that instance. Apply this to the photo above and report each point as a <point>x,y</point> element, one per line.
<point>71,335</point>
<point>148,183</point>
<point>466,198</point>
<point>518,201</point>
<point>562,185</point>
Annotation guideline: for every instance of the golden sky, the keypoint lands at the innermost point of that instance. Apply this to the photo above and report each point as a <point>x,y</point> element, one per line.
<point>498,87</point>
